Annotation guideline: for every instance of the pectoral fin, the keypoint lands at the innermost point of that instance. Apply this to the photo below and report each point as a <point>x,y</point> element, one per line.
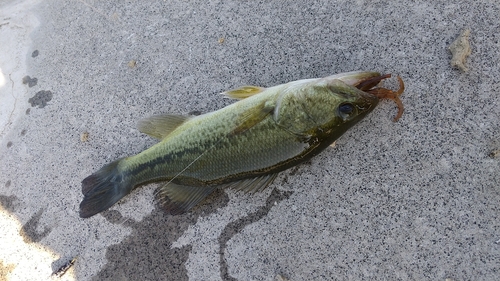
<point>253,116</point>
<point>159,126</point>
<point>178,199</point>
<point>243,92</point>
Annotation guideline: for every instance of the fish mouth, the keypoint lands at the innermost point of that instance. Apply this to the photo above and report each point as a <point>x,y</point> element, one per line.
<point>368,83</point>
<point>363,81</point>
<point>354,78</point>
<point>367,101</point>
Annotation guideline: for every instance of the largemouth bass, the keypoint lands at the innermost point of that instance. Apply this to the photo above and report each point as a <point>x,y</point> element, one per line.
<point>242,146</point>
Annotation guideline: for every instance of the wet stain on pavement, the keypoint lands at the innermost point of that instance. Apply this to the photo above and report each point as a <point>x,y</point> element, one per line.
<point>29,230</point>
<point>114,217</point>
<point>148,255</point>
<point>235,227</point>
<point>40,99</point>
<point>7,202</point>
<point>30,81</point>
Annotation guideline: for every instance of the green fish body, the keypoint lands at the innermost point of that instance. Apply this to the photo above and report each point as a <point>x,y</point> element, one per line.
<point>242,146</point>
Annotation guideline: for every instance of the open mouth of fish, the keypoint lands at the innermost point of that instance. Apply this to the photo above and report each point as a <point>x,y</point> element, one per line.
<point>369,85</point>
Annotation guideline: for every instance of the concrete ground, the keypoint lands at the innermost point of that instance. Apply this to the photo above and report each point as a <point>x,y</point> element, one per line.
<point>412,200</point>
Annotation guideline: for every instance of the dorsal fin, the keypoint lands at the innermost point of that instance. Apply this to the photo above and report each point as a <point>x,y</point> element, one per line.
<point>243,92</point>
<point>159,126</point>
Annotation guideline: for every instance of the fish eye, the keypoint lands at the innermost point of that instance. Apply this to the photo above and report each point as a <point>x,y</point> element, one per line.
<point>346,110</point>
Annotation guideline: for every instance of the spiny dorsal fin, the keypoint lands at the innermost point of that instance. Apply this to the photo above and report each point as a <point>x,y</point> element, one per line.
<point>159,126</point>
<point>243,92</point>
<point>178,199</point>
<point>253,116</point>
<point>253,185</point>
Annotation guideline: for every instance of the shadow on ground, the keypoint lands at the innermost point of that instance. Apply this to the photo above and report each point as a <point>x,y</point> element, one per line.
<point>147,253</point>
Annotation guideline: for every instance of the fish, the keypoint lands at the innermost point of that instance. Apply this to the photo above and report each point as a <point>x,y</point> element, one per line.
<point>242,146</point>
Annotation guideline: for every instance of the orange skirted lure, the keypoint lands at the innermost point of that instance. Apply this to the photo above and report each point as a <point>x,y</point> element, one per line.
<point>383,93</point>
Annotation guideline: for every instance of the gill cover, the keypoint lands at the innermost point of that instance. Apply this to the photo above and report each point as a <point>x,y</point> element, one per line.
<point>325,104</point>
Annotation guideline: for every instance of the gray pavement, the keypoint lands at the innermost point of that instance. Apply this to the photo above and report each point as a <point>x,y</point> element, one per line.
<point>412,200</point>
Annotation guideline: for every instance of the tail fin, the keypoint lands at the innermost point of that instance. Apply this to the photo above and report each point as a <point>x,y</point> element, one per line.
<point>103,189</point>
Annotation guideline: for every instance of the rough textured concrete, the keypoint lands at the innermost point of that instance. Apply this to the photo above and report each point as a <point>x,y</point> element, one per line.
<point>412,200</point>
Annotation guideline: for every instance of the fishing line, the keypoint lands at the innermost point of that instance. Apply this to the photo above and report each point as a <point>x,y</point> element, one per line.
<point>194,161</point>
<point>191,163</point>
<point>177,175</point>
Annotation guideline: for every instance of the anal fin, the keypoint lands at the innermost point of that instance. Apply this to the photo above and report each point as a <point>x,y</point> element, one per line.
<point>252,185</point>
<point>178,199</point>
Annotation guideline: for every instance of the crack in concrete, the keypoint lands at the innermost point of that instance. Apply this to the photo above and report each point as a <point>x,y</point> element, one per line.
<point>9,122</point>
